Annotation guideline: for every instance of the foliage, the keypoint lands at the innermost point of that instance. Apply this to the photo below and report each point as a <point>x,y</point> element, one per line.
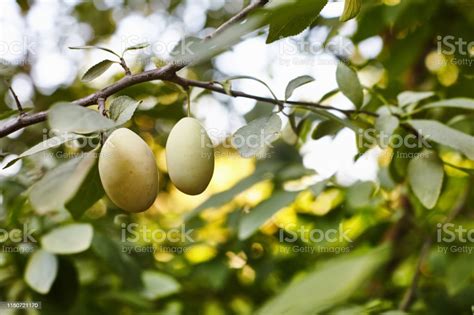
<point>253,244</point>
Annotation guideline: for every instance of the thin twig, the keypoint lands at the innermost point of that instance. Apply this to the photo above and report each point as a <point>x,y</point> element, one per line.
<point>157,74</point>
<point>125,67</point>
<point>101,104</point>
<point>212,87</point>
<point>188,101</point>
<point>237,18</point>
<point>15,97</point>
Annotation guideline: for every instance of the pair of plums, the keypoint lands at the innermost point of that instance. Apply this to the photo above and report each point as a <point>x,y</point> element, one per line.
<point>128,170</point>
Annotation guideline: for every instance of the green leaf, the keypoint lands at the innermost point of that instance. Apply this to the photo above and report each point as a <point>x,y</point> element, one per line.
<point>327,128</point>
<point>410,97</point>
<point>293,171</point>
<point>291,17</point>
<point>96,70</point>
<point>45,145</point>
<point>189,43</point>
<point>158,285</point>
<point>319,187</point>
<point>425,175</point>
<point>328,95</point>
<point>95,47</point>
<point>196,50</point>
<point>296,83</point>
<point>66,117</point>
<point>61,184</point>
<point>122,109</point>
<point>227,85</point>
<point>327,115</point>
<point>462,103</point>
<point>68,239</point>
<point>136,47</point>
<point>41,270</point>
<point>390,110</point>
<point>254,138</point>
<point>217,200</point>
<point>87,195</point>
<point>351,9</point>
<point>259,110</point>
<point>437,132</point>
<point>250,222</point>
<point>333,282</point>
<point>359,195</point>
<point>349,84</point>
<point>386,126</point>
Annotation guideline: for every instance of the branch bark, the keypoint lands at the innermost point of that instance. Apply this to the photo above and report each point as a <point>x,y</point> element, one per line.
<point>219,89</point>
<point>164,73</point>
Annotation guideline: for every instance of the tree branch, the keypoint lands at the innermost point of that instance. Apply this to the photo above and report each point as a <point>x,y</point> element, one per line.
<point>163,73</point>
<point>17,100</point>
<point>125,67</point>
<point>212,87</point>
<point>21,122</point>
<point>101,103</point>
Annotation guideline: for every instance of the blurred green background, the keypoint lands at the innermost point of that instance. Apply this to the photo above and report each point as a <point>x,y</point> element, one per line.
<point>243,256</point>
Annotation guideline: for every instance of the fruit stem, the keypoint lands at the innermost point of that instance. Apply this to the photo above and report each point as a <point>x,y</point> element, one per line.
<point>101,105</point>
<point>103,111</point>
<point>188,97</point>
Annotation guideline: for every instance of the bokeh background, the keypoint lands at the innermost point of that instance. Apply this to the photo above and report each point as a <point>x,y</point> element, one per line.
<point>395,45</point>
